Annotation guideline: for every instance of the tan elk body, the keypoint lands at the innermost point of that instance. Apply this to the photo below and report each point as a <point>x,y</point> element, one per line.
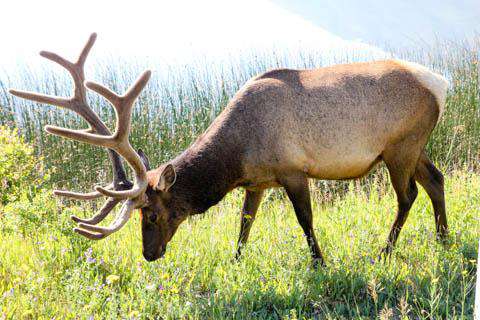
<point>330,123</point>
<point>280,129</point>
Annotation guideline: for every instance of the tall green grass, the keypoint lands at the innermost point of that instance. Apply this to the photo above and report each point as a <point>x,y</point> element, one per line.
<point>48,271</point>
<point>180,102</point>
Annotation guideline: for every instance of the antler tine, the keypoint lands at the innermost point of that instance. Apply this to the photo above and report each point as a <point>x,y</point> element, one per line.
<point>137,189</point>
<point>108,94</point>
<point>81,196</point>
<point>86,49</point>
<point>136,88</point>
<point>101,232</point>
<point>42,98</point>
<point>102,213</point>
<point>89,235</point>
<point>57,59</point>
<point>82,136</point>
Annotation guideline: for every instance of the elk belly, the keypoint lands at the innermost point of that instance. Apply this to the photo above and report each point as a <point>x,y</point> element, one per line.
<point>337,166</point>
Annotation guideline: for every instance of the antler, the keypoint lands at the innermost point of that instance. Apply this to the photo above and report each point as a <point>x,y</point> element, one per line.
<point>99,134</point>
<point>78,103</point>
<point>119,140</point>
<point>102,232</point>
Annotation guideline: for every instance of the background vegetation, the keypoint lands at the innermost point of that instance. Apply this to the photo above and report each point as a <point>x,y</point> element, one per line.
<point>180,102</point>
<point>48,271</point>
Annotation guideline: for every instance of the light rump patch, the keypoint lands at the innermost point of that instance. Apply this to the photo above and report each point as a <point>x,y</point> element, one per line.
<point>436,83</point>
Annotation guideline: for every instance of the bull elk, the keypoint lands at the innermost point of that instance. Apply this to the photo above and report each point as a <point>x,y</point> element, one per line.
<point>281,128</point>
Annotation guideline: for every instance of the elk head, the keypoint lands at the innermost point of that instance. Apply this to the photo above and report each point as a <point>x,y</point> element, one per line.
<point>150,190</point>
<point>163,212</point>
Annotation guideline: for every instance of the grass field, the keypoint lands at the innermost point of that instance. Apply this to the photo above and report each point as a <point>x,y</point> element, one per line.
<point>47,271</point>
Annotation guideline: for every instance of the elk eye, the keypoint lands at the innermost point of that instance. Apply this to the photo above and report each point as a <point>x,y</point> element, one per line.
<point>153,218</point>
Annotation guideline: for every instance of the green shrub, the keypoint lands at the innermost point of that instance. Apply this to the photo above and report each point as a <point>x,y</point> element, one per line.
<point>21,171</point>
<point>40,213</point>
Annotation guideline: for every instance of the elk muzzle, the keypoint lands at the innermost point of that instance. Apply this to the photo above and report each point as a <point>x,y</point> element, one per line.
<point>154,245</point>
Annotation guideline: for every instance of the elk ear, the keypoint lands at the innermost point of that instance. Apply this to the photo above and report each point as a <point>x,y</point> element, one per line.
<point>167,178</point>
<point>144,159</point>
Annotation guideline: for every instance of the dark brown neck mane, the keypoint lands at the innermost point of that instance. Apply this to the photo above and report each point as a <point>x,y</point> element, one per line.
<point>206,172</point>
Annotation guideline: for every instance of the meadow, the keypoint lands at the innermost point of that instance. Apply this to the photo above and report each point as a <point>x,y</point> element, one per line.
<point>48,271</point>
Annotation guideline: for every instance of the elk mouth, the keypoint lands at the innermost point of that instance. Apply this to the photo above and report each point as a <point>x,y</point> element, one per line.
<point>152,256</point>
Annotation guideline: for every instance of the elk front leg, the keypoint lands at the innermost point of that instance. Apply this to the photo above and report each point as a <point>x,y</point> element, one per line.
<point>299,194</point>
<point>249,210</point>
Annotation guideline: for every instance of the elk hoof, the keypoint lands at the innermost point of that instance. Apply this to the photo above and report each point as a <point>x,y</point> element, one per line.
<point>385,254</point>
<point>444,239</point>
<point>237,258</point>
<point>318,263</point>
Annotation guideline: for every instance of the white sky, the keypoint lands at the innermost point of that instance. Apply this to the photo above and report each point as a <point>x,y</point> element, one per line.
<point>171,31</point>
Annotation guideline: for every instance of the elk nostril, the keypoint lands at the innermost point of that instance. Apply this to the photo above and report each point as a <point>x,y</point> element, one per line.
<point>150,257</point>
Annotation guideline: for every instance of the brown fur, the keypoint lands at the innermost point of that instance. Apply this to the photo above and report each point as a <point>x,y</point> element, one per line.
<point>285,126</point>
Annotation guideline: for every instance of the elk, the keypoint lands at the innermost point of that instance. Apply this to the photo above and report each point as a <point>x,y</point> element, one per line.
<point>280,129</point>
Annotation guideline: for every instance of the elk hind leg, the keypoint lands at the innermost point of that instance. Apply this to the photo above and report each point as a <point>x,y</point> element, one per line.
<point>401,163</point>
<point>431,179</point>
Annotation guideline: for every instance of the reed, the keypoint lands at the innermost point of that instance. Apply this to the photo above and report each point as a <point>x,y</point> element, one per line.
<point>181,101</point>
